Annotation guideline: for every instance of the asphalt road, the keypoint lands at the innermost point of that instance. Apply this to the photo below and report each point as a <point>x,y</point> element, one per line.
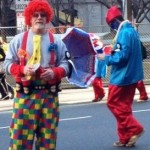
<point>88,126</point>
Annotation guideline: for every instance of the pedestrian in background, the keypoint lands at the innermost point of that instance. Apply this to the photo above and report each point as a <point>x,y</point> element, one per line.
<point>4,94</point>
<point>36,59</point>
<point>126,70</point>
<point>140,85</point>
<point>100,69</point>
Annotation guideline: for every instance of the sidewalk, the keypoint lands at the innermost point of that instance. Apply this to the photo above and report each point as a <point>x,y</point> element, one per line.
<point>72,96</point>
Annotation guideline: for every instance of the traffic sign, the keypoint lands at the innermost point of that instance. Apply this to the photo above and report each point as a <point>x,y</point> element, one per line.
<point>20,5</point>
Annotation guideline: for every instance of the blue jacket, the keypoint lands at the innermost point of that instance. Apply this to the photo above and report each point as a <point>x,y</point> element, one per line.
<point>100,68</point>
<point>126,64</point>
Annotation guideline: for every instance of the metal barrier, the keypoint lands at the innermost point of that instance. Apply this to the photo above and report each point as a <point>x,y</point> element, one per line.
<point>105,35</point>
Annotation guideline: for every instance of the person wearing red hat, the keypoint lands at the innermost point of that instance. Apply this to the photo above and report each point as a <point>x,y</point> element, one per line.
<point>100,69</point>
<point>37,60</point>
<point>125,60</point>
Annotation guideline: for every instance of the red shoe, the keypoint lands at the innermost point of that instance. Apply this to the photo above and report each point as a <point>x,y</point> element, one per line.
<point>99,99</point>
<point>95,100</point>
<point>145,99</point>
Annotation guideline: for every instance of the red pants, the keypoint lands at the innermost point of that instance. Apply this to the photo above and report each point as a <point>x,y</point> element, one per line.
<point>142,90</point>
<point>98,88</point>
<point>119,102</point>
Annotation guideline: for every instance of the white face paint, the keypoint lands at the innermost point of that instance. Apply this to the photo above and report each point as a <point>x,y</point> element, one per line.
<point>38,22</point>
<point>96,42</point>
<point>39,26</point>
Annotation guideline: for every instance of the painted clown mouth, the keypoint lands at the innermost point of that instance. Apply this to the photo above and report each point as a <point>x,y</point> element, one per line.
<point>39,22</point>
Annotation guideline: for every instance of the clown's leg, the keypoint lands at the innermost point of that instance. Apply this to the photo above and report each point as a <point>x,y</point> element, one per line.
<point>142,91</point>
<point>98,89</point>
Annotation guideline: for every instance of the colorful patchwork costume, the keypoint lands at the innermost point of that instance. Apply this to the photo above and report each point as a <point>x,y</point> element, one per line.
<point>36,105</point>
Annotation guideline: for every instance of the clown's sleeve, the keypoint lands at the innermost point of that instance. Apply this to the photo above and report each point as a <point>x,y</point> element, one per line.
<point>11,64</point>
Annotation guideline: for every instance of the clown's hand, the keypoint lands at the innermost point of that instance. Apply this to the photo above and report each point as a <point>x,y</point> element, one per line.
<point>47,74</point>
<point>101,56</point>
<point>28,70</point>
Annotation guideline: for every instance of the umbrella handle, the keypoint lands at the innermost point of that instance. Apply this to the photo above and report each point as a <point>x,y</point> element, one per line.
<point>71,62</point>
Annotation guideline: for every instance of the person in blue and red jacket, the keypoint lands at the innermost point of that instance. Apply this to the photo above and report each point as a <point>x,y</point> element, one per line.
<point>126,70</point>
<point>37,60</point>
<point>100,69</point>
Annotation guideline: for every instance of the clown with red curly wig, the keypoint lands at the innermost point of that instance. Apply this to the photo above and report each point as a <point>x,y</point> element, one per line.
<point>37,60</point>
<point>38,6</point>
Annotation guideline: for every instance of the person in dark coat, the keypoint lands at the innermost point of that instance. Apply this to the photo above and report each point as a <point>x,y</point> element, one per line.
<point>4,95</point>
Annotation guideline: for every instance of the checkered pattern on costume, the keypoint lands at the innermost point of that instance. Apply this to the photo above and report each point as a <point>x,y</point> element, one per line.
<point>38,114</point>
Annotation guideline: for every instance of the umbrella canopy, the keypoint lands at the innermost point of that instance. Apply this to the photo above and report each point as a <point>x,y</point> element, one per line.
<point>82,50</point>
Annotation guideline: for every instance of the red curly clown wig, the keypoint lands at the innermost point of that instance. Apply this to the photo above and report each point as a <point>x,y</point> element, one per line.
<point>38,5</point>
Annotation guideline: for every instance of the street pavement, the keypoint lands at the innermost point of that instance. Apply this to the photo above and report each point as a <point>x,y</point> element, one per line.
<point>73,96</point>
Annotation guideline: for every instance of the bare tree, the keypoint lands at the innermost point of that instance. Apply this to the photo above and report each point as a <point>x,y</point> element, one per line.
<point>67,9</point>
<point>140,8</point>
<point>142,13</point>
